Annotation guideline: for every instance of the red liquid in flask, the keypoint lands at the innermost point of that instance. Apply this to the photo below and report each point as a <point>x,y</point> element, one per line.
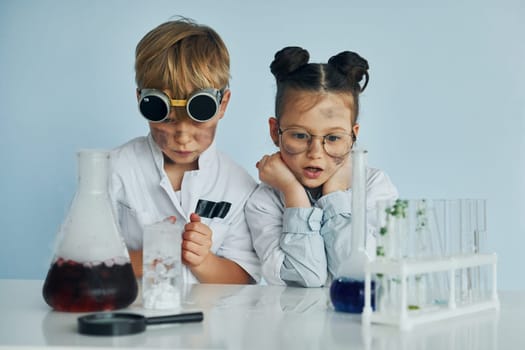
<point>76,287</point>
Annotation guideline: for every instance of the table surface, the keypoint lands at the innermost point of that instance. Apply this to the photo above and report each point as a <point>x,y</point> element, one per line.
<point>256,317</point>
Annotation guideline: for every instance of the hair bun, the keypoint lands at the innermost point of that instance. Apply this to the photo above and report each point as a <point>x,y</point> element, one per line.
<point>288,60</point>
<point>353,66</point>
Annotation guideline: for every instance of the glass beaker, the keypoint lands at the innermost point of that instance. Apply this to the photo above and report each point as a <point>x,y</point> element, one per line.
<point>161,249</point>
<point>91,269</point>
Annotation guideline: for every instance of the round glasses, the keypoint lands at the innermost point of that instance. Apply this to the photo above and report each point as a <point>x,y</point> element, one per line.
<point>297,140</point>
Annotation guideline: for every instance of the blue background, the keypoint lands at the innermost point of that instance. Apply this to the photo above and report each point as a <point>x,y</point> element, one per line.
<point>444,113</point>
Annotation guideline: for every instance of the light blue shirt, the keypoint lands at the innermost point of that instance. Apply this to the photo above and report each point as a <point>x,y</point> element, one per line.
<point>308,246</point>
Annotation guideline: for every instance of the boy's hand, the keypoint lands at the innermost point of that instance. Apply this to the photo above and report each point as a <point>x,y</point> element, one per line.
<point>196,242</point>
<point>341,180</point>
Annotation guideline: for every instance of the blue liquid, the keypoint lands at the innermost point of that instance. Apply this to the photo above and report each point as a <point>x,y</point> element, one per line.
<point>348,295</point>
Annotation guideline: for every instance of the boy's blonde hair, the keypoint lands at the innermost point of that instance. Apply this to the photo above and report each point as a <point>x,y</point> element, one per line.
<point>182,56</point>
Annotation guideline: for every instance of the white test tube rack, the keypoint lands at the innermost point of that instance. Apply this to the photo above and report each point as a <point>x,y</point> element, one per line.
<point>406,319</point>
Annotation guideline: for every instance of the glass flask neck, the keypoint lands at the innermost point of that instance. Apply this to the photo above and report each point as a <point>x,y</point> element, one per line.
<point>358,199</point>
<point>93,168</point>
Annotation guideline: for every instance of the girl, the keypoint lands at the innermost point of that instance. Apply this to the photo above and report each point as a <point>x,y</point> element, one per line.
<point>300,214</point>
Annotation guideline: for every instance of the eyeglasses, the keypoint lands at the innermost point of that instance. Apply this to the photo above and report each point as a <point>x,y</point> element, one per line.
<point>202,105</point>
<point>297,140</point>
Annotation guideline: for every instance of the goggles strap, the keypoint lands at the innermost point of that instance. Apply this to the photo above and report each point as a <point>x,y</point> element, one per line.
<point>178,103</point>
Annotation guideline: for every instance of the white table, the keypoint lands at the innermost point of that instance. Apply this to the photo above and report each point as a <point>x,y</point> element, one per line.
<point>256,317</point>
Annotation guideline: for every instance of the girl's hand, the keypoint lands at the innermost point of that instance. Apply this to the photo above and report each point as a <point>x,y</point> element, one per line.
<point>274,172</point>
<point>341,180</point>
<point>196,242</point>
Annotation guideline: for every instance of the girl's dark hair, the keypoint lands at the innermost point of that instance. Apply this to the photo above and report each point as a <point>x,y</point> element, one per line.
<point>343,74</point>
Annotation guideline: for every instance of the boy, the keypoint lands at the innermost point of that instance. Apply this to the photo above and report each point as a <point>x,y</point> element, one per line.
<point>182,76</point>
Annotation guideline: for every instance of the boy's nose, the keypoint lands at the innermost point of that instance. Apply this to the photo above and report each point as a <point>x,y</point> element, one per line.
<point>182,137</point>
<point>182,130</point>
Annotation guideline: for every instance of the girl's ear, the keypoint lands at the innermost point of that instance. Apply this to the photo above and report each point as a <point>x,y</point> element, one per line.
<point>355,131</point>
<point>274,130</point>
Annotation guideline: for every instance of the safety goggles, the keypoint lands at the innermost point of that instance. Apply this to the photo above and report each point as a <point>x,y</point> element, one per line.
<point>202,105</point>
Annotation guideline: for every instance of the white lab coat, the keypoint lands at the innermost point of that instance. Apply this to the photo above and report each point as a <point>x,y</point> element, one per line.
<point>142,194</point>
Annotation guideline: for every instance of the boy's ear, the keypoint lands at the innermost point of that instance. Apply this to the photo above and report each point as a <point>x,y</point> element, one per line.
<point>224,102</point>
<point>274,130</point>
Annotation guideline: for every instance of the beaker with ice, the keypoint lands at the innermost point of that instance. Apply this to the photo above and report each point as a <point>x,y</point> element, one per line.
<point>91,269</point>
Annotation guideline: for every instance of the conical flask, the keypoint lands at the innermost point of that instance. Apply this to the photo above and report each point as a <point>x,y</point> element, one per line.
<point>347,289</point>
<point>91,269</point>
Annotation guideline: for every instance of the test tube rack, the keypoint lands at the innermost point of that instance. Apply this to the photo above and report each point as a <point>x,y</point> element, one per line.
<point>404,317</point>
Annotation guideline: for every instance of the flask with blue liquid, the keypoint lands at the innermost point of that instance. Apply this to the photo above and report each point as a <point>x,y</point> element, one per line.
<point>347,291</point>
